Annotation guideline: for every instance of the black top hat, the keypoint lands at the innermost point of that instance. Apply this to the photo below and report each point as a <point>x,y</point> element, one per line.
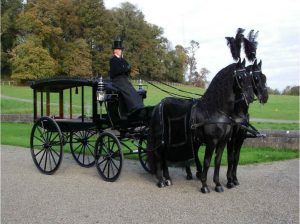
<point>117,44</point>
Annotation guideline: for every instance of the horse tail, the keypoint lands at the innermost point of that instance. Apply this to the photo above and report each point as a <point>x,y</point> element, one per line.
<point>155,138</point>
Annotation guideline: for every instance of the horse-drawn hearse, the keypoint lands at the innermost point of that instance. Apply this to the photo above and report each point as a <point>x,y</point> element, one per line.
<point>95,124</point>
<point>89,117</point>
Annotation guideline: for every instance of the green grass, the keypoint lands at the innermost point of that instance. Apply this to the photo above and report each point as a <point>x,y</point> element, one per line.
<point>16,134</point>
<point>276,126</point>
<point>19,134</point>
<point>278,107</point>
<point>257,155</point>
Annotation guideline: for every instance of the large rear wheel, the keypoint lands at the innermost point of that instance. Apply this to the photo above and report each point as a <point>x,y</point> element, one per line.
<point>46,144</point>
<point>109,156</point>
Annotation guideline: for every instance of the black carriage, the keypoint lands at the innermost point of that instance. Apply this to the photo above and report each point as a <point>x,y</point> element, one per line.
<point>89,117</point>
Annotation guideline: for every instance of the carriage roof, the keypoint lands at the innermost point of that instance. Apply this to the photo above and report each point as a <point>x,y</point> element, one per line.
<point>61,83</point>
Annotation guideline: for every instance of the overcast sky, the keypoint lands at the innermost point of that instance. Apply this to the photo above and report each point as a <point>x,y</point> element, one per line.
<point>209,21</point>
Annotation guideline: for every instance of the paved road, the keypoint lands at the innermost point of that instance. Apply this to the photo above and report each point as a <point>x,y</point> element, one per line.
<point>269,193</point>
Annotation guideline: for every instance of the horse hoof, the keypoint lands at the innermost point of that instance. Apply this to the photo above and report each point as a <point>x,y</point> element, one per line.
<point>161,184</point>
<point>198,175</point>
<point>204,190</point>
<point>189,177</point>
<point>230,185</point>
<point>168,182</point>
<point>236,182</point>
<point>219,189</point>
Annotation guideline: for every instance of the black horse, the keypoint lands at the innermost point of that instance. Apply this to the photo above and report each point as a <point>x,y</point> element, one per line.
<point>178,127</point>
<point>241,117</point>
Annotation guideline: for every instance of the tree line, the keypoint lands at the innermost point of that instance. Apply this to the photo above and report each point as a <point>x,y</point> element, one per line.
<point>41,39</point>
<point>289,90</point>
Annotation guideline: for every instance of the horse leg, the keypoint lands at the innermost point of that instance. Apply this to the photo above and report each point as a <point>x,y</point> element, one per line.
<point>159,176</point>
<point>197,161</point>
<point>207,158</point>
<point>219,153</point>
<point>230,161</point>
<point>237,152</point>
<point>159,170</point>
<point>167,178</point>
<point>189,175</point>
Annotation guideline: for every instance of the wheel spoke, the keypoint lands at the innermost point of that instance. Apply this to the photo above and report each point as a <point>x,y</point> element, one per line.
<point>50,161</point>
<point>104,159</point>
<point>89,147</point>
<point>104,168</point>
<point>55,142</point>
<point>114,164</point>
<point>53,157</point>
<point>83,154</point>
<point>74,150</point>
<point>39,139</point>
<point>41,134</point>
<point>54,151</point>
<point>109,162</point>
<point>42,157</point>
<point>80,151</point>
<point>112,168</point>
<point>39,152</point>
<point>45,166</point>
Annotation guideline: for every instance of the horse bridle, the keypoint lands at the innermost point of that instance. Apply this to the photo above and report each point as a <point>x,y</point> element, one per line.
<point>235,75</point>
<point>254,83</point>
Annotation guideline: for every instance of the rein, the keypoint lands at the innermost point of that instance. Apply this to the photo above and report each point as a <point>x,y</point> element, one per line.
<point>180,90</point>
<point>169,93</point>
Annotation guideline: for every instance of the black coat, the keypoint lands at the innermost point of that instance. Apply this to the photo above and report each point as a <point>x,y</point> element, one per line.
<point>119,72</point>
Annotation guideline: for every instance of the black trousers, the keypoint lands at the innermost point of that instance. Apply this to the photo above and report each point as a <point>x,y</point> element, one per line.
<point>133,100</point>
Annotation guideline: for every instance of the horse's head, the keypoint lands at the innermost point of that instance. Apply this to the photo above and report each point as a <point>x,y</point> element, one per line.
<point>243,83</point>
<point>259,81</point>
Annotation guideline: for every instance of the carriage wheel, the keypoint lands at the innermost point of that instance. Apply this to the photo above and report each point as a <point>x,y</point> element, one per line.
<point>46,144</point>
<point>82,144</point>
<point>143,157</point>
<point>109,157</point>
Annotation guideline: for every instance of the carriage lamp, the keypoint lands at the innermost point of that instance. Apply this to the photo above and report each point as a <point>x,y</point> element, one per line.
<point>140,84</point>
<point>141,91</point>
<point>101,90</point>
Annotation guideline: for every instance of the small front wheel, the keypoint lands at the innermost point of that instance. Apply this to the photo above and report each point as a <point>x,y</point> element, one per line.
<point>109,156</point>
<point>82,146</point>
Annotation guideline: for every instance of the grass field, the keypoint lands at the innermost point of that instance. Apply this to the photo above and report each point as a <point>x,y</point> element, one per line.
<point>248,155</point>
<point>277,107</point>
<point>18,100</point>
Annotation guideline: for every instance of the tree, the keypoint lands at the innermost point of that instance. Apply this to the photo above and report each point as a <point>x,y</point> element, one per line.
<point>98,27</point>
<point>145,48</point>
<point>192,63</point>
<point>273,91</point>
<point>9,14</point>
<point>176,64</point>
<point>295,91</point>
<point>30,62</point>
<point>77,60</point>
<point>291,90</point>
<point>200,79</point>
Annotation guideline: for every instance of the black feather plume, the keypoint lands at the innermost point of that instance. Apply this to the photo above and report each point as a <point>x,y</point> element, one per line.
<point>239,37</point>
<point>233,49</point>
<point>250,45</point>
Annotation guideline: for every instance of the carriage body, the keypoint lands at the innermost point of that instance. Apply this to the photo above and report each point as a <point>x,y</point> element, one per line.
<point>88,117</point>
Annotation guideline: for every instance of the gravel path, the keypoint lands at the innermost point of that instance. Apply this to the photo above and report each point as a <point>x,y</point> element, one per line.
<point>269,193</point>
